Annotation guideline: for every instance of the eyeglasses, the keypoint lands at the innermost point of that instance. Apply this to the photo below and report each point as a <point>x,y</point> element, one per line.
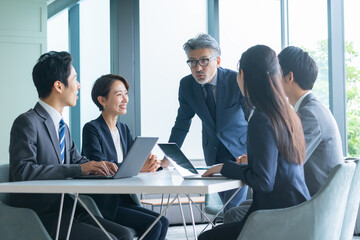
<point>202,62</point>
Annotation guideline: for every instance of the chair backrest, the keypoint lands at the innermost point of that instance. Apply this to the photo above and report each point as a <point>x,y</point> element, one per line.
<point>213,203</point>
<point>319,218</point>
<point>4,177</point>
<point>352,206</point>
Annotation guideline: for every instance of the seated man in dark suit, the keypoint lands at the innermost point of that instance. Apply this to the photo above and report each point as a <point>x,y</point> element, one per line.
<point>41,148</point>
<point>323,141</point>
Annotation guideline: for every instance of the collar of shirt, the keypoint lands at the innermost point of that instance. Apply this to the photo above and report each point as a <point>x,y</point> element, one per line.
<point>251,114</point>
<point>213,84</point>
<point>297,104</point>
<point>213,81</point>
<point>55,115</point>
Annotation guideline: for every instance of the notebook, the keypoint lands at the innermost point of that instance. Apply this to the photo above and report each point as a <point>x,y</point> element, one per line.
<point>182,164</point>
<point>133,161</point>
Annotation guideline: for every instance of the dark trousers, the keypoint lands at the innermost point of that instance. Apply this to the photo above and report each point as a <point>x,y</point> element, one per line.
<point>83,226</point>
<point>86,228</point>
<point>228,231</point>
<point>140,218</point>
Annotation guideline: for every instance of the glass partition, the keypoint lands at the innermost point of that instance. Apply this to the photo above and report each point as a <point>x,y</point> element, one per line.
<point>308,30</point>
<point>352,68</point>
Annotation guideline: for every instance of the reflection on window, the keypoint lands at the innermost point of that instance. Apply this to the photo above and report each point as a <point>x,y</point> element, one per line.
<point>58,40</point>
<point>244,24</point>
<point>308,30</point>
<point>352,64</point>
<point>164,27</point>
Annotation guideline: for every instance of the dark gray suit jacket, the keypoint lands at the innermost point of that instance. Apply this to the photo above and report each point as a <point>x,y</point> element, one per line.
<point>323,142</point>
<point>35,155</point>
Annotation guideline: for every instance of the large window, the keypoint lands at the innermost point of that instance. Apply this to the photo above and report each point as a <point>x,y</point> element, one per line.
<point>308,30</point>
<point>244,24</point>
<point>164,27</point>
<point>94,52</point>
<point>58,40</point>
<point>352,61</point>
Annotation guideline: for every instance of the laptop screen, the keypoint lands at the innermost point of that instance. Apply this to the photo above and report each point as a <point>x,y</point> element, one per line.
<point>178,159</point>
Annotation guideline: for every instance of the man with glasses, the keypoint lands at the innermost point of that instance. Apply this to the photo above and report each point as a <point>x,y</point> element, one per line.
<point>212,93</point>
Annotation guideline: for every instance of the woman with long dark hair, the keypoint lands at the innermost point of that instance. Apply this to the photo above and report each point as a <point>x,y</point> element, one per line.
<point>276,145</point>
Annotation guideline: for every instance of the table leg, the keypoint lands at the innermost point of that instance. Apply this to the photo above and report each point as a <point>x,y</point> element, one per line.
<point>92,215</point>
<point>192,219</point>
<point>158,218</point>
<point>183,217</point>
<point>59,218</point>
<point>227,202</point>
<point>201,211</point>
<point>168,202</point>
<point>72,216</point>
<point>162,201</point>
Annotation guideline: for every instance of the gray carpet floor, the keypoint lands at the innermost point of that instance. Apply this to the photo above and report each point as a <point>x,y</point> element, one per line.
<point>178,232</point>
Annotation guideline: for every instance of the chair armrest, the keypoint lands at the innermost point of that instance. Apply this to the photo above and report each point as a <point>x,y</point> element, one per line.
<point>21,223</point>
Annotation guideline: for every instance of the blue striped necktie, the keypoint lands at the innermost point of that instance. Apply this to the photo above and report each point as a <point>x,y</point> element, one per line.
<point>62,139</point>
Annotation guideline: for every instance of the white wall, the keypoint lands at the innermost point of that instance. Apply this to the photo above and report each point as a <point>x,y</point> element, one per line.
<point>22,41</point>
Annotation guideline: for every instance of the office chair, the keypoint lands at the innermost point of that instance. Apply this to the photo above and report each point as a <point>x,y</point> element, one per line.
<point>18,223</point>
<point>319,218</point>
<point>352,206</point>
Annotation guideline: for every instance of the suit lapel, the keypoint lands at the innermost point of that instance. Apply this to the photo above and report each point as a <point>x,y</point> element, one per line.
<point>107,135</point>
<point>123,142</point>
<point>203,111</point>
<point>49,125</point>
<point>221,93</point>
<point>68,143</point>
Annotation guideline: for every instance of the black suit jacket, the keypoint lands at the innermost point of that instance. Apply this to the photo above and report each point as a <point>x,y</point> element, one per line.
<point>276,183</point>
<point>98,145</point>
<point>35,155</point>
<point>230,127</point>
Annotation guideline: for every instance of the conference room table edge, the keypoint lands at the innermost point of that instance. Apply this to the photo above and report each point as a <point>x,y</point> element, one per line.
<point>150,183</point>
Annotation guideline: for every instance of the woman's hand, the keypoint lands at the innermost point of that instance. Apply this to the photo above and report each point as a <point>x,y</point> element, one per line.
<point>213,170</point>
<point>151,164</point>
<point>242,159</point>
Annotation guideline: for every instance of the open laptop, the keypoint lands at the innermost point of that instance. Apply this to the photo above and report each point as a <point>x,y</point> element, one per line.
<point>182,164</point>
<point>134,160</point>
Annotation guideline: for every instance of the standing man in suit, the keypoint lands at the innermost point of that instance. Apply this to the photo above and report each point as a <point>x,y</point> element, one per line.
<point>322,137</point>
<point>41,148</point>
<point>212,93</point>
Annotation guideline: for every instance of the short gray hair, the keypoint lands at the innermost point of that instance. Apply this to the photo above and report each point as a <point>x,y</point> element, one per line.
<point>202,41</point>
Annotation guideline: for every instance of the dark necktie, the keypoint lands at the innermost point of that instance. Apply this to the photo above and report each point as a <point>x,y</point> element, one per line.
<point>62,139</point>
<point>210,100</point>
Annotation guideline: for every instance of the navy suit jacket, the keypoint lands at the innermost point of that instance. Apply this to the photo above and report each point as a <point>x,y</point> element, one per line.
<point>230,127</point>
<point>98,145</point>
<point>35,155</point>
<point>276,183</point>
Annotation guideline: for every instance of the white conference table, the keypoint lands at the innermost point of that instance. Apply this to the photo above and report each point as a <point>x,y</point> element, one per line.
<point>162,182</point>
